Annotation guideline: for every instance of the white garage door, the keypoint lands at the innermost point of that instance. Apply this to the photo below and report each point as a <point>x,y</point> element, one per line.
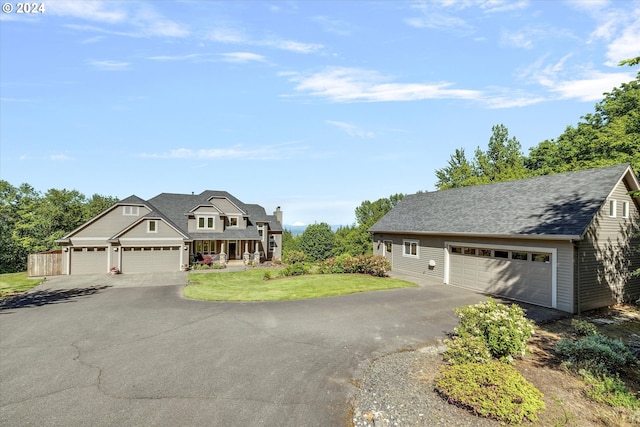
<point>89,261</point>
<point>523,275</point>
<point>148,260</point>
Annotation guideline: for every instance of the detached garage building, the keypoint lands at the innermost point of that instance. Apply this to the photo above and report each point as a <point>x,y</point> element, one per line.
<point>563,241</point>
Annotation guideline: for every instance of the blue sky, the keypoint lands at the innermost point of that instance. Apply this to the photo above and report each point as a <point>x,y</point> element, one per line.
<point>314,106</point>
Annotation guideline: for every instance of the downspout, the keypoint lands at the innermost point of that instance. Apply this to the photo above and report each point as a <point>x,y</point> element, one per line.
<point>577,262</point>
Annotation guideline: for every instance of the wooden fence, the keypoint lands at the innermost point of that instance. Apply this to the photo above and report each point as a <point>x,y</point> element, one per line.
<point>44,264</point>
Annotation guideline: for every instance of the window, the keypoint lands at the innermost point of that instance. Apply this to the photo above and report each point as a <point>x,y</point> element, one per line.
<point>501,254</point>
<point>523,256</point>
<point>130,210</point>
<point>484,252</point>
<point>205,222</point>
<point>541,257</point>
<point>272,243</point>
<point>388,245</point>
<point>152,226</point>
<point>456,250</point>
<point>625,209</point>
<point>469,251</point>
<point>232,222</point>
<point>260,230</point>
<point>612,208</point>
<point>410,248</point>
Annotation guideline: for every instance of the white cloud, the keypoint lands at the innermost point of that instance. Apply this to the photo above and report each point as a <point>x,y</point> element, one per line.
<point>334,26</point>
<point>627,44</point>
<point>232,36</point>
<point>340,84</point>
<point>102,11</point>
<point>110,65</point>
<point>132,19</point>
<point>351,130</point>
<point>187,57</point>
<point>265,152</point>
<point>590,88</point>
<point>59,157</point>
<point>242,57</point>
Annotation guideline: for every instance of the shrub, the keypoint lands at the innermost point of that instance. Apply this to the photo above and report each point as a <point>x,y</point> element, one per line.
<point>373,265</point>
<point>295,257</point>
<point>504,329</point>
<point>609,390</point>
<point>466,348</point>
<point>297,269</point>
<point>493,390</point>
<point>597,353</point>
<point>583,327</point>
<point>267,275</point>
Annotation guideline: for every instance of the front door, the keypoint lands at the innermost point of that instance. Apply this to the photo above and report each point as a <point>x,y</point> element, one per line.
<point>232,250</point>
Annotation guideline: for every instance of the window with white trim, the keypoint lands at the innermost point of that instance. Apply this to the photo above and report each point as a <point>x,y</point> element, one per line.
<point>232,221</point>
<point>206,223</point>
<point>625,209</point>
<point>410,248</point>
<point>131,210</point>
<point>152,226</point>
<point>612,208</point>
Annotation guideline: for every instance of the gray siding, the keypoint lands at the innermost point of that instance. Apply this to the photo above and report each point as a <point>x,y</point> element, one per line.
<point>605,257</point>
<point>110,224</point>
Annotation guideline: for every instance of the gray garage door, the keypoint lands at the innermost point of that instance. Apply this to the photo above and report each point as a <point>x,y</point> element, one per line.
<point>89,261</point>
<point>517,274</point>
<point>146,260</point>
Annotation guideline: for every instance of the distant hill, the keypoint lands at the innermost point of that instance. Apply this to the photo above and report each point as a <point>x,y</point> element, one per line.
<point>296,230</point>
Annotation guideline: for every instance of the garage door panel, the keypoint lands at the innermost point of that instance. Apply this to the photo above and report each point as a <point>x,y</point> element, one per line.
<point>89,260</point>
<point>144,260</point>
<point>523,280</point>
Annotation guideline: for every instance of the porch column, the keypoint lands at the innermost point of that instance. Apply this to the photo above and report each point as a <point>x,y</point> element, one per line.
<point>245,255</point>
<point>223,256</point>
<point>256,255</point>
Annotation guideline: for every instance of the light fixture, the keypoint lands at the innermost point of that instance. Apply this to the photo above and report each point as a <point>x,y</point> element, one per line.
<point>432,263</point>
<point>66,249</point>
<point>115,249</point>
<point>185,247</point>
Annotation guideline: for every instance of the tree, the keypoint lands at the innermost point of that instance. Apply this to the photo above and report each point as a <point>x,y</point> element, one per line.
<point>503,161</point>
<point>352,240</point>
<point>369,212</point>
<point>458,172</point>
<point>289,242</point>
<point>317,242</point>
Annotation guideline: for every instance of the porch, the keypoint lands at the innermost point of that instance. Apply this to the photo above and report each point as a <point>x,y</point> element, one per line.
<point>228,250</point>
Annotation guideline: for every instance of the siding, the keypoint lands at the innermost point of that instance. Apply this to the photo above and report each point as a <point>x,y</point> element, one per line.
<point>606,258</point>
<point>109,224</point>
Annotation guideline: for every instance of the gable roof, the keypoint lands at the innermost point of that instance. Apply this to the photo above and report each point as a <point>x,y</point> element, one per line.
<point>550,206</point>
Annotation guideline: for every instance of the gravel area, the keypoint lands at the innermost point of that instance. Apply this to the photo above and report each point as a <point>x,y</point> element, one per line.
<point>397,390</point>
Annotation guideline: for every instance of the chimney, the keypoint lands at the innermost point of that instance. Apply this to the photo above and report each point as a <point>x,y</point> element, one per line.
<point>278,214</point>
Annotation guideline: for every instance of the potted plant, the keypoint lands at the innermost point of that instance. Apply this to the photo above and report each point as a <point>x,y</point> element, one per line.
<point>114,270</point>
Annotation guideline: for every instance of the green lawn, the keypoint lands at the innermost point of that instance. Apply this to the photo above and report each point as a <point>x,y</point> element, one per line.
<point>14,283</point>
<point>250,286</point>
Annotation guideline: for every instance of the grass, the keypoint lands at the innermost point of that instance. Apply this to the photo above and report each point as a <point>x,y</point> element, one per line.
<point>251,286</point>
<point>14,283</point>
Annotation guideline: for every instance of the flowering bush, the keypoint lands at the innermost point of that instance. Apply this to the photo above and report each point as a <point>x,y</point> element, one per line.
<point>466,348</point>
<point>373,265</point>
<point>504,329</point>
<point>114,270</point>
<point>294,257</point>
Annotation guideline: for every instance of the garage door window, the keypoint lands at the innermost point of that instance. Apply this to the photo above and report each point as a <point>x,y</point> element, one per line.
<point>484,252</point>
<point>523,256</point>
<point>541,257</point>
<point>501,254</point>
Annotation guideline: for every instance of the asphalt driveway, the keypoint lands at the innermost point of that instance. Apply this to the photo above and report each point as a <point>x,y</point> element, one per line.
<point>109,354</point>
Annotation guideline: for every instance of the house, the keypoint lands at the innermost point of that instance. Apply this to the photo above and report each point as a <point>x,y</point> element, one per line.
<point>170,230</point>
<point>562,241</point>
